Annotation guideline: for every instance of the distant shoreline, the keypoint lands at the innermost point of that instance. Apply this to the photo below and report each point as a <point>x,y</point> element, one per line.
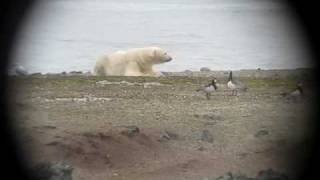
<point>250,73</point>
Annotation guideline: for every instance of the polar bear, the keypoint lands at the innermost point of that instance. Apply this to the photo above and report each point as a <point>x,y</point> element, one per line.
<point>133,62</point>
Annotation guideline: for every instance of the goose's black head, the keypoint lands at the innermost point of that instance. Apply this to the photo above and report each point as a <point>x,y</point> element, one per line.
<point>214,83</point>
<point>230,76</point>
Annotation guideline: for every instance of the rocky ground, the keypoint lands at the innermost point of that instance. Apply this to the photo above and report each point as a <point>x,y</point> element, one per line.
<point>160,128</point>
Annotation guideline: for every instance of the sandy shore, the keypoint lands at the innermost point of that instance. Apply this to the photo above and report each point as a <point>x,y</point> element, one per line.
<point>90,122</point>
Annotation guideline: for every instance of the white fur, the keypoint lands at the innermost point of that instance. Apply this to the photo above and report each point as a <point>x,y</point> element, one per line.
<point>133,62</point>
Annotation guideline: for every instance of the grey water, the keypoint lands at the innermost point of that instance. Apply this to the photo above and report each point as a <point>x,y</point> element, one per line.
<point>68,35</point>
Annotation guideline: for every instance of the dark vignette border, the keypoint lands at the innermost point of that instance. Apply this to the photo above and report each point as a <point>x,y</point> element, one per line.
<point>306,13</point>
<point>12,14</point>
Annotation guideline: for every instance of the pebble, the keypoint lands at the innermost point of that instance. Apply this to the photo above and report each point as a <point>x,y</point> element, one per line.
<point>206,136</point>
<point>131,131</point>
<point>166,135</point>
<point>261,133</point>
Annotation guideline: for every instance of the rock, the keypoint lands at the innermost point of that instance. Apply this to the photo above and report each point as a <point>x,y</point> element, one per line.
<point>262,175</point>
<point>205,69</point>
<point>243,177</point>
<point>242,155</point>
<point>271,175</point>
<point>261,133</point>
<point>165,73</point>
<point>206,136</point>
<point>230,176</point>
<point>52,171</point>
<point>75,72</point>
<point>166,135</point>
<point>149,84</point>
<point>18,70</point>
<point>49,127</point>
<point>21,71</point>
<point>188,71</point>
<point>211,117</point>
<point>130,131</point>
<point>52,143</point>
<point>201,148</point>
<point>36,74</point>
<point>227,176</point>
<point>210,123</point>
<point>172,135</point>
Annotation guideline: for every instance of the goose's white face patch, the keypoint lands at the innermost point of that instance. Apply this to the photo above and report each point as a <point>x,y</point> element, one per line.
<point>215,81</point>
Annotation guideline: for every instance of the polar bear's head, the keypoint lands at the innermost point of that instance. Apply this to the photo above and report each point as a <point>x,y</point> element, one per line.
<point>159,55</point>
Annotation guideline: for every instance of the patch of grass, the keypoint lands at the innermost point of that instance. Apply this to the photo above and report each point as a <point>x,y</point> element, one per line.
<point>62,82</point>
<point>269,82</point>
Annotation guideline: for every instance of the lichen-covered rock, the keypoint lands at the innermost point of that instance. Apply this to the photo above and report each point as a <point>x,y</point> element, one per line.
<point>271,175</point>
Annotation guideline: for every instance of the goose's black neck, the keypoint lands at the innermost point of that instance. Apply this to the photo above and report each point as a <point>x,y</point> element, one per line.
<point>300,89</point>
<point>230,76</point>
<point>214,84</point>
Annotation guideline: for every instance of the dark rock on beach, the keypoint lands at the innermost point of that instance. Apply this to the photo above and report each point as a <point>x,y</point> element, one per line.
<point>261,133</point>
<point>167,135</point>
<point>75,72</point>
<point>130,131</point>
<point>262,175</point>
<point>52,171</point>
<point>230,176</point>
<point>271,175</point>
<point>206,136</point>
<point>204,69</point>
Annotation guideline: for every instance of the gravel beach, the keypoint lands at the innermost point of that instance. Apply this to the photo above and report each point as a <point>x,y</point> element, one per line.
<point>161,128</point>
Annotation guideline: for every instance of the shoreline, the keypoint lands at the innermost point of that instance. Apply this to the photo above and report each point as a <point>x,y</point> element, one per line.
<point>243,73</point>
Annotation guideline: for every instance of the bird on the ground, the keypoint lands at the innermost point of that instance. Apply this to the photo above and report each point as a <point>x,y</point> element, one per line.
<point>235,85</point>
<point>209,88</point>
<point>296,93</point>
